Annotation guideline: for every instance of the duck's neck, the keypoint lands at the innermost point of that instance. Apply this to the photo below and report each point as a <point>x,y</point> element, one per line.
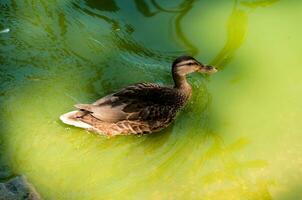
<point>181,83</point>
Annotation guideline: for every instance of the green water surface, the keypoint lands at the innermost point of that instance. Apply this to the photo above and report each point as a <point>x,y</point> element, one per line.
<point>238,138</point>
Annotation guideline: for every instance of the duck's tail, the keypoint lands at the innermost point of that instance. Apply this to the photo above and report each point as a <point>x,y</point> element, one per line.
<point>71,118</point>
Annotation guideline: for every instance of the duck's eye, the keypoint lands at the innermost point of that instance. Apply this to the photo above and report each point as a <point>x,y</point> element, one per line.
<point>190,63</point>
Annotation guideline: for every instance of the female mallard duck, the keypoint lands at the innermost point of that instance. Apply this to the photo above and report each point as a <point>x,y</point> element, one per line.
<point>140,108</point>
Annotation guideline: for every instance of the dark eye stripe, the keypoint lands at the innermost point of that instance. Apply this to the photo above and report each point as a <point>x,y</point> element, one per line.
<point>186,64</point>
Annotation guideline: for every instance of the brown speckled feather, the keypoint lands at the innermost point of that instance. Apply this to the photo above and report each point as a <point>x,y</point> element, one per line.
<point>139,108</point>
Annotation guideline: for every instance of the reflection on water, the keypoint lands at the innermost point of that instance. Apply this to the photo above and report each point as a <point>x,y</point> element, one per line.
<point>65,52</point>
<point>236,30</point>
<point>187,6</point>
<point>106,5</point>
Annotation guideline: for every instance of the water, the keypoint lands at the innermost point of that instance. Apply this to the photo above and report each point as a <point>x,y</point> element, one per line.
<point>239,137</point>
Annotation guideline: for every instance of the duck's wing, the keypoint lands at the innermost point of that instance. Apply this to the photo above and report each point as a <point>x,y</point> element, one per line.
<point>141,102</point>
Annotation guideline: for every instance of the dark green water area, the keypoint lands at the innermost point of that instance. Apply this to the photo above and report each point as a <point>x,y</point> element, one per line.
<point>238,138</point>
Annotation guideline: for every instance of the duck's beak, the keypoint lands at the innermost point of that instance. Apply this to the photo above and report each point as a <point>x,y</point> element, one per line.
<point>211,69</point>
<point>207,69</point>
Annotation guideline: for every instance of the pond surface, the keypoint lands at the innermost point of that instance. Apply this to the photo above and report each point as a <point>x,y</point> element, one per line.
<point>238,138</point>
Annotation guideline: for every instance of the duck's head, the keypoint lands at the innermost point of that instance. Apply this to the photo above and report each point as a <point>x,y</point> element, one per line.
<point>184,65</point>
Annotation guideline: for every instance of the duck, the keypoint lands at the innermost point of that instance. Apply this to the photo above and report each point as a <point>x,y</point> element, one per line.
<point>140,108</point>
